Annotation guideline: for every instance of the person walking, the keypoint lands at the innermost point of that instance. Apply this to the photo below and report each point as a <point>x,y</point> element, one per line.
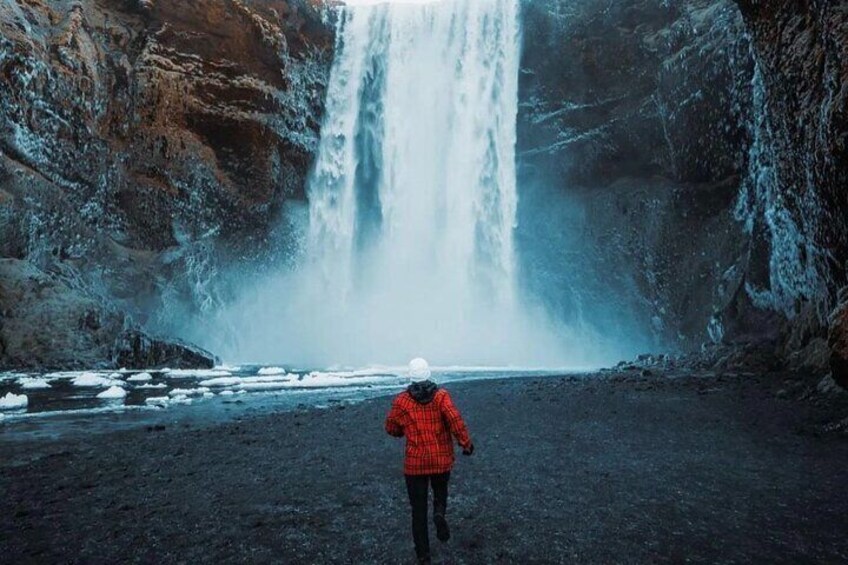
<point>427,417</point>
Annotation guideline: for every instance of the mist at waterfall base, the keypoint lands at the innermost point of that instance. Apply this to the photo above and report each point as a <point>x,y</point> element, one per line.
<point>407,247</point>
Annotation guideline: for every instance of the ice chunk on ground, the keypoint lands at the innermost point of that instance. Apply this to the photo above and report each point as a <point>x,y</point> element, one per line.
<point>271,371</point>
<point>185,392</point>
<point>161,401</point>
<point>33,384</point>
<point>140,378</point>
<point>13,401</point>
<point>226,393</point>
<point>221,381</point>
<point>93,380</point>
<point>113,393</point>
<point>208,394</point>
<point>273,385</point>
<point>195,373</point>
<point>160,385</point>
<point>267,379</point>
<point>353,378</point>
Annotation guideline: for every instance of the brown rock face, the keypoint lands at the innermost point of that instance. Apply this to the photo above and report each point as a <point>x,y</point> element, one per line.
<point>144,142</point>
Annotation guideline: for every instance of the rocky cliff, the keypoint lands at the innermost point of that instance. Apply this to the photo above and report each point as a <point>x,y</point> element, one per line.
<point>142,143</point>
<point>698,148</point>
<point>682,163</point>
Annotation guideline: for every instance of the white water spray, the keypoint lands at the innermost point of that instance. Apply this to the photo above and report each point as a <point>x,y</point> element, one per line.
<point>412,202</point>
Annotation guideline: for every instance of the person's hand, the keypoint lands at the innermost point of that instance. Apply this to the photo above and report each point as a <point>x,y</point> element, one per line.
<point>468,450</point>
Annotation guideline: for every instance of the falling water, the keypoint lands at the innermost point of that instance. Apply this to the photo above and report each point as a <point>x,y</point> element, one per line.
<point>412,202</point>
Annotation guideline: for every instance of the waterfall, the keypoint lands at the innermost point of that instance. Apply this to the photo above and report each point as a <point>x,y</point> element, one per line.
<point>412,201</point>
<point>415,174</point>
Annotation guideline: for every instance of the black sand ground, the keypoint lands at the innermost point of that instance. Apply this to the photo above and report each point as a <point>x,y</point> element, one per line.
<point>617,470</point>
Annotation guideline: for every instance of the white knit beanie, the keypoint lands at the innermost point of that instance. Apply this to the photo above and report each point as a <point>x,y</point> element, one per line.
<point>419,370</point>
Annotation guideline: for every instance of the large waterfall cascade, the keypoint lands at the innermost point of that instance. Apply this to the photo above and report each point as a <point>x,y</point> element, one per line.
<point>412,202</point>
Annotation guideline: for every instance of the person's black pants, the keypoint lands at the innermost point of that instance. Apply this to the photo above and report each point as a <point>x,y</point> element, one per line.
<point>416,486</point>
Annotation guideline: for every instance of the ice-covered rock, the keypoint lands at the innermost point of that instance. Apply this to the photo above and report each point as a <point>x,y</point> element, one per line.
<point>93,380</point>
<point>221,381</point>
<point>160,401</point>
<point>271,371</point>
<point>33,383</point>
<point>113,393</point>
<point>140,378</point>
<point>195,373</point>
<point>13,401</point>
<point>271,385</point>
<point>186,392</point>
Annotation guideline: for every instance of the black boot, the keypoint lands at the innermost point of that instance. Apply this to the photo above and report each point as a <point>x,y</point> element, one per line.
<point>442,530</point>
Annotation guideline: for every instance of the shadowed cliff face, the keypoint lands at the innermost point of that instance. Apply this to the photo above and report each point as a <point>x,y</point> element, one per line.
<point>143,143</point>
<point>633,126</point>
<point>801,50</point>
<point>698,148</point>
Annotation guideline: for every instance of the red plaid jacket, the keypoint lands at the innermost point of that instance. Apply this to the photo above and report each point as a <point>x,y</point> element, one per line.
<point>428,429</point>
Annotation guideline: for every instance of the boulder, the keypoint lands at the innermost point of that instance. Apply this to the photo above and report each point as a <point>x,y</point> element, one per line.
<point>137,350</point>
<point>838,340</point>
<point>46,323</point>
